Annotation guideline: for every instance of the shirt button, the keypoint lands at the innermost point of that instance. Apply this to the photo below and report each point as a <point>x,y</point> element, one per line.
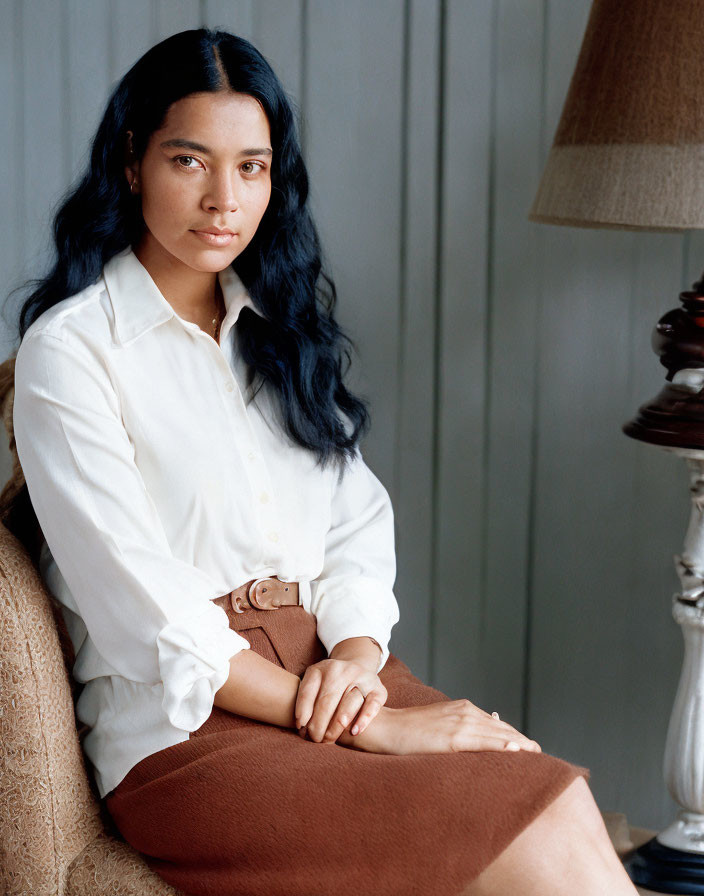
<point>229,385</point>
<point>273,536</point>
<point>264,497</point>
<point>252,455</point>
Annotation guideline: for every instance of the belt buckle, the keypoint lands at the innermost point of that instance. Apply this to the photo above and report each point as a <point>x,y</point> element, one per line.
<point>239,603</point>
<point>262,596</point>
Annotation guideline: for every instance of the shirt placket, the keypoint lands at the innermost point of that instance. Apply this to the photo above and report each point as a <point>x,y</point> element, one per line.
<point>265,504</point>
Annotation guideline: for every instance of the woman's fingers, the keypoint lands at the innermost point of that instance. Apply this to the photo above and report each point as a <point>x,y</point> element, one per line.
<point>325,705</point>
<point>504,728</point>
<point>319,695</point>
<point>491,733</point>
<point>365,708</point>
<point>348,707</point>
<point>509,733</point>
<point>501,726</point>
<point>372,704</point>
<point>307,693</point>
<point>479,742</point>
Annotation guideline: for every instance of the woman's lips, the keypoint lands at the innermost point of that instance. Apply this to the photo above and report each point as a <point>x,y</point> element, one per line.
<point>215,239</point>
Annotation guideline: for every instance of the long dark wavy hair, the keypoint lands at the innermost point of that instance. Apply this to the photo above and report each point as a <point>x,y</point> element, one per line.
<point>298,349</point>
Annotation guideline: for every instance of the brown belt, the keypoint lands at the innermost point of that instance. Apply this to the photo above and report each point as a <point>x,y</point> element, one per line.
<point>263,594</point>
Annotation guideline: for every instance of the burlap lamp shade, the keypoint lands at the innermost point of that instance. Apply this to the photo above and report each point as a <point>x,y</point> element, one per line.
<point>629,148</point>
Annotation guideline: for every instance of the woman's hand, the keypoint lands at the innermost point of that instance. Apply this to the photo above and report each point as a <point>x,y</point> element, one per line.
<point>331,695</point>
<point>450,726</point>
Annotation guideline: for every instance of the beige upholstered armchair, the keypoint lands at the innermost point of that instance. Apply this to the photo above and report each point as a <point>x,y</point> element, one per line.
<point>55,835</point>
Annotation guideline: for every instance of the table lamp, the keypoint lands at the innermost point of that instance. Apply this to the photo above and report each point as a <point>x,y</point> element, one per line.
<point>629,153</point>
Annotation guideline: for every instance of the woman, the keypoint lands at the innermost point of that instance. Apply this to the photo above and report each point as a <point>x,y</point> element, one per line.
<point>224,556</point>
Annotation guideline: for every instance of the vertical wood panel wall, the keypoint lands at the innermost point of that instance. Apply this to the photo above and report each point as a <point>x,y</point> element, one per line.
<point>535,541</point>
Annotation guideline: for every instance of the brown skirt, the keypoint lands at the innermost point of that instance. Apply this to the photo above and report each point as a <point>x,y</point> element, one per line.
<point>245,807</point>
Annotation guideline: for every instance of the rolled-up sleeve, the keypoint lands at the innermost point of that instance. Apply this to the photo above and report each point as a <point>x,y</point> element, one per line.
<point>149,614</point>
<point>353,596</point>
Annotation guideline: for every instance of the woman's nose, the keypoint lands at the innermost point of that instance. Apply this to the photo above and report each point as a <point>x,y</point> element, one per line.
<point>222,194</point>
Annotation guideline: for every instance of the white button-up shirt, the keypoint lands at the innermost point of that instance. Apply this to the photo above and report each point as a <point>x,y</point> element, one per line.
<point>159,484</point>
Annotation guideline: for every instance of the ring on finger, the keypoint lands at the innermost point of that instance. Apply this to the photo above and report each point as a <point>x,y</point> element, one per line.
<point>495,715</point>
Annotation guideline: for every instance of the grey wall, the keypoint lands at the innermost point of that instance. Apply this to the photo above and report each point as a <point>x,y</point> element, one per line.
<point>535,540</point>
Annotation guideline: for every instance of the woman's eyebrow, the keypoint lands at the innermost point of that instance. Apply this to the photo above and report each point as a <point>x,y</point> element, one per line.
<point>198,147</point>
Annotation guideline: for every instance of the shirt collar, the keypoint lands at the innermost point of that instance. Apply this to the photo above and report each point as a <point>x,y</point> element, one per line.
<point>138,304</point>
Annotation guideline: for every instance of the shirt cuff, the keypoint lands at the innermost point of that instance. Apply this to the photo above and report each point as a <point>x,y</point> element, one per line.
<point>194,662</point>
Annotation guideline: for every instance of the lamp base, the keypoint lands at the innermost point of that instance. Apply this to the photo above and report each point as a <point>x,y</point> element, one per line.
<point>666,870</point>
<point>674,419</point>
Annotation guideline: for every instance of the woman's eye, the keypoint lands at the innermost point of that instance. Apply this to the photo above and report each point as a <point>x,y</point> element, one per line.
<point>185,162</point>
<point>189,158</point>
<point>259,165</point>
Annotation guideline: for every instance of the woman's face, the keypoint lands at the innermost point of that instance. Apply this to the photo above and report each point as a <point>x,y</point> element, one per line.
<point>208,167</point>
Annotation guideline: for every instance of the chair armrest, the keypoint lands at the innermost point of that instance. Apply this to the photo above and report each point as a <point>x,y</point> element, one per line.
<point>109,866</point>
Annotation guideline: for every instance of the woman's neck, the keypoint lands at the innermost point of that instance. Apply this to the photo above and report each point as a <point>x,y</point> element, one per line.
<point>194,295</point>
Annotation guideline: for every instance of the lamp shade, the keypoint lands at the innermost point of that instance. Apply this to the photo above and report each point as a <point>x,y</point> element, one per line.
<point>629,148</point>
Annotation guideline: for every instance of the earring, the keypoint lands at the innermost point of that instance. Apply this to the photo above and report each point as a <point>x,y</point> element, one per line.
<point>132,185</point>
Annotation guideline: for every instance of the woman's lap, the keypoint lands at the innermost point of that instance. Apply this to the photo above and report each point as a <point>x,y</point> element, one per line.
<point>248,807</point>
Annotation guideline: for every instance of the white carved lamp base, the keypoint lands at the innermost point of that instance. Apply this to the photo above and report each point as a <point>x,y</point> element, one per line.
<point>684,749</point>
<point>673,860</point>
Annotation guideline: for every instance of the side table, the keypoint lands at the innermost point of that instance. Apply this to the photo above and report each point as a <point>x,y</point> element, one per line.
<point>627,839</point>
